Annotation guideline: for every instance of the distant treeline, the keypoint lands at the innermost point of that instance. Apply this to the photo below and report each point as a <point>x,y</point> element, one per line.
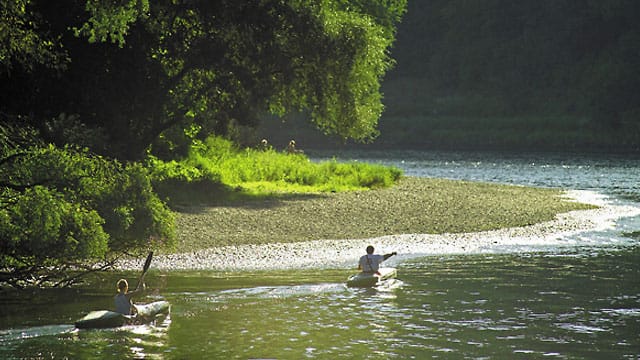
<point>550,56</point>
<point>547,74</point>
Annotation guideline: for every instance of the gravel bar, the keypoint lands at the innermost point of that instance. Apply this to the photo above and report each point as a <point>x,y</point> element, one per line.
<point>344,253</point>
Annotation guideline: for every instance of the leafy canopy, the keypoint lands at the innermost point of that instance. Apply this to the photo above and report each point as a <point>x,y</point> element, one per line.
<point>118,78</point>
<point>151,70</point>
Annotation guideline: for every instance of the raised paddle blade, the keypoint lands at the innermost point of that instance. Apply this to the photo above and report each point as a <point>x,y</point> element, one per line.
<point>147,263</point>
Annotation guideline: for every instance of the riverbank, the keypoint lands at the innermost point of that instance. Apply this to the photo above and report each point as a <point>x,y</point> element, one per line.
<point>273,234</point>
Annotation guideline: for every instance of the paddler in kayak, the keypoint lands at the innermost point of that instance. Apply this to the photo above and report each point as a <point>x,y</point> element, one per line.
<point>370,263</point>
<point>123,298</point>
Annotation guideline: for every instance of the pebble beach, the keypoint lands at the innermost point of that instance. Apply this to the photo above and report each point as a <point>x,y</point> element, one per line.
<point>344,253</point>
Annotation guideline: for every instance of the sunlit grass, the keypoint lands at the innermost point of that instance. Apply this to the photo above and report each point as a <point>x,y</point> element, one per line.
<point>268,170</point>
<point>232,172</point>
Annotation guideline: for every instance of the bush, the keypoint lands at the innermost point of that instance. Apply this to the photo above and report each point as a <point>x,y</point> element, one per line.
<point>217,171</point>
<point>43,228</point>
<point>62,208</point>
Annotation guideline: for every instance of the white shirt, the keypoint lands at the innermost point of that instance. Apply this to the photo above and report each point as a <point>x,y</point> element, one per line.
<point>370,263</point>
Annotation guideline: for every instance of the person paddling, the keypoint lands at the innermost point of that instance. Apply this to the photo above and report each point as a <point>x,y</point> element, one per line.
<point>123,302</point>
<point>370,263</point>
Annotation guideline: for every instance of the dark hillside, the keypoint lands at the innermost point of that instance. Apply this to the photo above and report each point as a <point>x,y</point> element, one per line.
<point>549,56</point>
<point>502,74</point>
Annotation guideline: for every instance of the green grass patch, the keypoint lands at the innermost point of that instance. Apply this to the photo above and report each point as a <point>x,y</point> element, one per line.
<point>216,171</point>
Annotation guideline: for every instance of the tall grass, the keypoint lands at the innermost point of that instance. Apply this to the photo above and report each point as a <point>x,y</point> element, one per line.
<point>264,171</point>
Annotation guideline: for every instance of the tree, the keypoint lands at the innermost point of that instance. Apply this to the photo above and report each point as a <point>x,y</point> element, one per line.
<point>92,81</point>
<point>150,71</point>
<point>24,46</point>
<point>61,209</point>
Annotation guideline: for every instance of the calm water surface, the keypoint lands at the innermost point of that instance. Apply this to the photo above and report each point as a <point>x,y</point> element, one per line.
<point>568,303</point>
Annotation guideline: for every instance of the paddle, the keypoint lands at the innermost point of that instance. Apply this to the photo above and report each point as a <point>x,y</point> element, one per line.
<point>147,263</point>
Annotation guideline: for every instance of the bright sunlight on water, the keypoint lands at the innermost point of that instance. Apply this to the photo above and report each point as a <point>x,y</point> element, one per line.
<point>558,305</point>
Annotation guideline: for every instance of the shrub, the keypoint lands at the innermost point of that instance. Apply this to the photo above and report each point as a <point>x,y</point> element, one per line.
<point>217,168</point>
<point>64,207</point>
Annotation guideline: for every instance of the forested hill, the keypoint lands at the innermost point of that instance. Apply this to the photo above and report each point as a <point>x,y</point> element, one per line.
<point>504,74</point>
<point>575,63</point>
<point>569,56</point>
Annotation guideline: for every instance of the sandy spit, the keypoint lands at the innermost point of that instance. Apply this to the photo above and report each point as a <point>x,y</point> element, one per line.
<point>337,254</point>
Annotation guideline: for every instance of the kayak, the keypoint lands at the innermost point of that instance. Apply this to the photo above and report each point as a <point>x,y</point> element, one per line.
<point>368,279</point>
<point>100,319</point>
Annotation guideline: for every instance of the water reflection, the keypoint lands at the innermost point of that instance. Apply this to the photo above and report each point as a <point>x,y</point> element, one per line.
<point>9,336</point>
<point>291,321</point>
<point>127,342</point>
<point>566,304</point>
<point>534,303</point>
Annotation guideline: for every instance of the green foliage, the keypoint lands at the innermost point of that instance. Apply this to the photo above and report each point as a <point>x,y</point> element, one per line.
<point>174,170</point>
<point>134,215</point>
<point>41,227</point>
<point>111,21</point>
<point>60,208</point>
<point>24,45</point>
<point>172,65</point>
<point>272,171</point>
<point>122,195</point>
<point>69,129</point>
<point>216,170</point>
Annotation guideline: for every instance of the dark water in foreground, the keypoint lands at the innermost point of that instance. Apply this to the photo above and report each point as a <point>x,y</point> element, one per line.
<point>535,305</point>
<point>567,303</point>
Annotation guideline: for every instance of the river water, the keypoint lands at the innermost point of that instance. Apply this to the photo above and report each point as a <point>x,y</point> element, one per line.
<point>572,302</point>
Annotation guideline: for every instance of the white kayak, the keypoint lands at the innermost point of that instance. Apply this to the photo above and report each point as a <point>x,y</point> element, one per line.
<point>371,279</point>
<point>106,319</point>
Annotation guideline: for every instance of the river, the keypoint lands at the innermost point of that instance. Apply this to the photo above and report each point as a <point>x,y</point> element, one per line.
<point>569,302</point>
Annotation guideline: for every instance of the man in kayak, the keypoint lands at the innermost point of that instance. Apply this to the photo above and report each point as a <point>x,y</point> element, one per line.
<point>123,298</point>
<point>370,263</point>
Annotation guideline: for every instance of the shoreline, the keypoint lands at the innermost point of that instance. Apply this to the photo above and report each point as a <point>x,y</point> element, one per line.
<point>338,254</point>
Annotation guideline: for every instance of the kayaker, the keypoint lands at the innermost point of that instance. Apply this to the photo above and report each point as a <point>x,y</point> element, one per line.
<point>123,298</point>
<point>370,263</point>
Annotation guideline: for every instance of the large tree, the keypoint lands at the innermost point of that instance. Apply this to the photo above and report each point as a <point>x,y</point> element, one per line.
<point>140,73</point>
<point>120,76</point>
